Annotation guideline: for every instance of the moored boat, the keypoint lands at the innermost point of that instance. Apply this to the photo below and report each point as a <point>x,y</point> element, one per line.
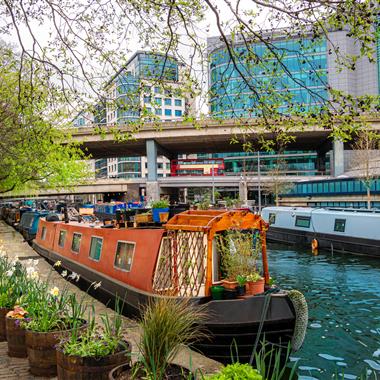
<point>28,225</point>
<point>180,259</point>
<point>341,230</point>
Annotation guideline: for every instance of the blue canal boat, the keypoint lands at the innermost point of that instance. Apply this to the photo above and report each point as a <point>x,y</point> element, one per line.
<point>28,225</point>
<point>344,230</point>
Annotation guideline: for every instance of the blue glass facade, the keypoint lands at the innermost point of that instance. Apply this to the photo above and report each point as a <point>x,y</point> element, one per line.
<point>299,78</point>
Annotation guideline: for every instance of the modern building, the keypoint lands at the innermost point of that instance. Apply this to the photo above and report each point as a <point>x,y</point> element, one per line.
<point>148,87</point>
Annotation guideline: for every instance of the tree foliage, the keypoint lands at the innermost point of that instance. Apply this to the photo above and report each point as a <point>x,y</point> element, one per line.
<point>90,40</point>
<point>34,153</point>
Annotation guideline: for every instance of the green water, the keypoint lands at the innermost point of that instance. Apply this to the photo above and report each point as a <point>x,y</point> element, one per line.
<point>343,294</point>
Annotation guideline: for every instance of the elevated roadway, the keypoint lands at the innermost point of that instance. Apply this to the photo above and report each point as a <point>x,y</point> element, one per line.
<point>206,136</point>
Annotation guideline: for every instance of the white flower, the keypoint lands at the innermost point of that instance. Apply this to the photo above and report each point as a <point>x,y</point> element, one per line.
<point>57,264</point>
<point>35,262</point>
<point>9,272</point>
<point>97,284</point>
<point>15,261</point>
<point>74,276</point>
<point>54,291</point>
<point>2,253</point>
<point>64,273</point>
<point>34,275</point>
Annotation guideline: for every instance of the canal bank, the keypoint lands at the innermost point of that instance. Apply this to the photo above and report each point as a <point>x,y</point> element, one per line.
<point>342,292</point>
<point>11,368</point>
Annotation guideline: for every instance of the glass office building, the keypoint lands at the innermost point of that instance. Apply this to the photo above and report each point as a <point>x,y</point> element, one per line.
<point>300,78</point>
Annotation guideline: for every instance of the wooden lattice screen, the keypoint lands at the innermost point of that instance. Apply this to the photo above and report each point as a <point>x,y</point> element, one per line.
<point>181,266</point>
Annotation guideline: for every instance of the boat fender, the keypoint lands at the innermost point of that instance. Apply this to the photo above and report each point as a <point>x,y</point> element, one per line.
<point>302,316</point>
<point>314,246</point>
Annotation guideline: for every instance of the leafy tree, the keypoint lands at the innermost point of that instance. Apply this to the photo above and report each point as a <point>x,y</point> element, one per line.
<point>364,160</point>
<point>34,152</point>
<point>89,41</point>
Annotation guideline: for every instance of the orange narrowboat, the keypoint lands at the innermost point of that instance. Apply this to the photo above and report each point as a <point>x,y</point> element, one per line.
<point>178,259</point>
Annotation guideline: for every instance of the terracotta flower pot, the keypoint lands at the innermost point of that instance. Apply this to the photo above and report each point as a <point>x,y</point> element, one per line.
<point>256,287</point>
<point>229,284</point>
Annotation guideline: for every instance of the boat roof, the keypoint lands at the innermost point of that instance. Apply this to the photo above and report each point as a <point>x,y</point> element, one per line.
<point>216,220</point>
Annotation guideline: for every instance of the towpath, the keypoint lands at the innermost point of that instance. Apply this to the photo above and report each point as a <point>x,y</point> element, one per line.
<point>18,369</point>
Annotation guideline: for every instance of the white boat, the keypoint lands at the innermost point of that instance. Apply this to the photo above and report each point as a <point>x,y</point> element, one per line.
<point>344,230</point>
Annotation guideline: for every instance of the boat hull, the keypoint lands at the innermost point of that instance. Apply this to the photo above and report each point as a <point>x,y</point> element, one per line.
<point>335,243</point>
<point>233,324</point>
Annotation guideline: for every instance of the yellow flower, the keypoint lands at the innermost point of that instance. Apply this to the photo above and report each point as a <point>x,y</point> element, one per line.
<point>54,291</point>
<point>57,263</point>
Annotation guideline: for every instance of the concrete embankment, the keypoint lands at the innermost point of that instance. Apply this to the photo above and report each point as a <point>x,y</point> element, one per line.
<point>18,369</point>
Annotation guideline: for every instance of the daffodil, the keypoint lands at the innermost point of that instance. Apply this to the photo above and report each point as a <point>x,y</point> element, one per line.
<point>64,273</point>
<point>54,291</point>
<point>57,264</point>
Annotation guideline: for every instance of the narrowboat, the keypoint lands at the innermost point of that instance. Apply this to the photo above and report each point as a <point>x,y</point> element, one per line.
<point>179,259</point>
<point>28,225</point>
<point>340,230</point>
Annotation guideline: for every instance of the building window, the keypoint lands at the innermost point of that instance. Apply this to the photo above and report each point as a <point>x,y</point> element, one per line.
<point>62,237</point>
<point>302,221</point>
<point>340,225</point>
<point>168,112</point>
<point>147,89</point>
<point>178,113</point>
<point>124,255</point>
<point>157,90</point>
<point>75,244</point>
<point>272,218</point>
<point>96,248</point>
<point>43,233</point>
<point>147,99</point>
<point>158,101</point>
<point>168,102</point>
<point>168,93</point>
<point>159,111</point>
<point>178,102</point>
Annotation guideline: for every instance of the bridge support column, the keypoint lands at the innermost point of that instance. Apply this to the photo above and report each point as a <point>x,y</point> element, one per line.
<point>338,158</point>
<point>152,186</point>
<point>243,192</point>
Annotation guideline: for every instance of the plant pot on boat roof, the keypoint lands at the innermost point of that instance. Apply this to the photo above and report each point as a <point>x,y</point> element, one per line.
<point>53,315</point>
<point>242,280</point>
<point>158,207</point>
<point>238,253</point>
<point>255,284</point>
<point>93,353</point>
<point>166,324</point>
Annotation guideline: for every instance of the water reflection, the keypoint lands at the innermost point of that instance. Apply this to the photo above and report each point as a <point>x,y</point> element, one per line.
<point>344,310</point>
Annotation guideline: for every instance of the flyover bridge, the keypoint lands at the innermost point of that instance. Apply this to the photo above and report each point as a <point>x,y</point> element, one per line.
<point>205,136</point>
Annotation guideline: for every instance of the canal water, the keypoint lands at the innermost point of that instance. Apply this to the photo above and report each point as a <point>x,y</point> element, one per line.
<point>343,294</point>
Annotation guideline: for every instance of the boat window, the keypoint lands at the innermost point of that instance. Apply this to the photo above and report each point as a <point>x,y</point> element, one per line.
<point>75,244</point>
<point>43,233</point>
<point>96,248</point>
<point>272,218</point>
<point>340,225</point>
<point>124,255</point>
<point>62,237</point>
<point>303,221</point>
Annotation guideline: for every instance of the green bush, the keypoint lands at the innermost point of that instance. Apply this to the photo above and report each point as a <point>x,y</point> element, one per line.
<point>163,203</point>
<point>237,371</point>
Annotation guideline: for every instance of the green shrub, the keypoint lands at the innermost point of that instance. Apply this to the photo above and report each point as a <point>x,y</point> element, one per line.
<point>163,203</point>
<point>237,371</point>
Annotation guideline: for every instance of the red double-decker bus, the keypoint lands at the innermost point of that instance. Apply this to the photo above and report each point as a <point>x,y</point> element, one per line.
<point>199,166</point>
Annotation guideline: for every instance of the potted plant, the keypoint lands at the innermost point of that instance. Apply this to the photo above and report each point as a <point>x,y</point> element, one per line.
<point>236,371</point>
<point>15,332</point>
<point>12,285</point>
<point>255,284</point>
<point>166,324</point>
<point>217,292</point>
<point>53,314</point>
<point>242,280</point>
<point>158,207</point>
<point>91,354</point>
